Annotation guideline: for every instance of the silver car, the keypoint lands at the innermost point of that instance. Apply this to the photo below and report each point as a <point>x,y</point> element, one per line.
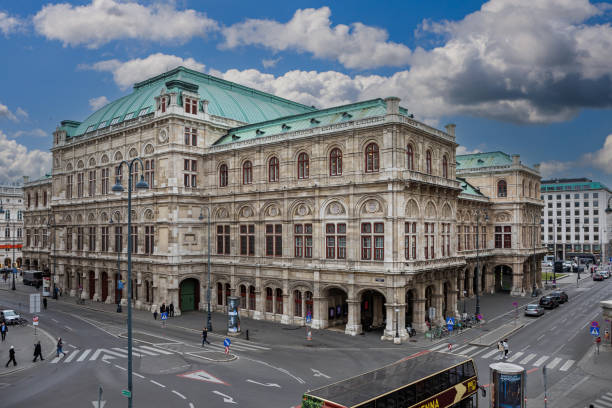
<point>534,309</point>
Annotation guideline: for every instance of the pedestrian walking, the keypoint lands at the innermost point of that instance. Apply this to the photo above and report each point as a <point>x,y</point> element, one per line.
<point>60,345</point>
<point>162,308</point>
<point>3,329</point>
<point>38,352</point>
<point>45,303</point>
<point>171,309</point>
<point>500,347</point>
<point>11,357</point>
<point>506,349</point>
<point>205,336</point>
<point>155,314</point>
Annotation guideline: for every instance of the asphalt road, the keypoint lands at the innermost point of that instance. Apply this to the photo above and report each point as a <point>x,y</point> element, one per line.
<point>172,369</point>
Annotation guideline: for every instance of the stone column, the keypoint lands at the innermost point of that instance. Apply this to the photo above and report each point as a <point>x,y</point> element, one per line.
<point>110,282</point>
<point>353,326</point>
<point>97,285</point>
<point>138,291</point>
<point>286,316</point>
<point>86,283</point>
<point>319,312</point>
<point>74,287</point>
<point>418,315</point>
<point>452,301</point>
<point>437,302</point>
<point>517,280</point>
<point>124,291</point>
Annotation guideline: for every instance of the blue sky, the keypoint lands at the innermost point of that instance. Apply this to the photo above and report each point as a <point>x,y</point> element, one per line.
<point>520,76</point>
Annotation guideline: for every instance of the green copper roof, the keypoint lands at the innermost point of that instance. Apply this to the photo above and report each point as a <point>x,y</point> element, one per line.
<point>225,99</point>
<point>575,186</point>
<point>469,189</point>
<point>322,117</point>
<point>479,160</point>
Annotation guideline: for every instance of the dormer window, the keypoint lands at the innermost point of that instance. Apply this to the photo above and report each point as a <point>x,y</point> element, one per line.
<point>191,105</point>
<point>259,132</point>
<point>103,124</point>
<point>90,128</point>
<point>314,122</point>
<point>346,116</point>
<point>129,116</point>
<point>235,137</point>
<point>286,127</point>
<point>114,121</point>
<point>143,111</point>
<point>162,104</point>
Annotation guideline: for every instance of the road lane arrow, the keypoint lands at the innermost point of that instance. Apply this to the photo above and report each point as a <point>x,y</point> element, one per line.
<point>202,375</point>
<point>317,373</point>
<point>226,398</point>
<point>95,404</point>
<point>265,385</point>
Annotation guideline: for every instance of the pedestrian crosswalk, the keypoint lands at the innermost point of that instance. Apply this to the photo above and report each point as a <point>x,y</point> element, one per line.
<point>81,356</point>
<point>519,357</point>
<point>604,401</point>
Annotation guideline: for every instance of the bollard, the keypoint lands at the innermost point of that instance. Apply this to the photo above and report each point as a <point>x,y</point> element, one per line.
<point>309,335</point>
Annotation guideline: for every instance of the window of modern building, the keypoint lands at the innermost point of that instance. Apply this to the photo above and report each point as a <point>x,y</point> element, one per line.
<point>586,204</point>
<point>410,157</point>
<point>567,213</point>
<point>247,172</point>
<point>596,238</point>
<point>550,213</point>
<point>247,240</point>
<point>595,220</point>
<point>274,240</point>
<point>410,240</point>
<point>558,214</point>
<point>550,196</point>
<point>576,237</point>
<point>149,172</point>
<point>558,196</point>
<point>567,205</point>
<point>567,196</point>
<point>577,203</point>
<point>303,166</point>
<point>586,220</point>
<point>550,205</point>
<point>502,188</point>
<point>585,195</point>
<point>558,205</point>
<point>335,241</point>
<point>223,176</point>
<point>595,195</point>
<point>576,212</point>
<point>149,239</point>
<point>430,248</point>
<point>335,162</point>
<point>595,211</point>
<point>372,233</point>
<point>302,238</point>
<point>273,169</point>
<point>428,162</point>
<point>372,164</point>
<point>595,229</point>
<point>576,196</point>
<point>191,136</point>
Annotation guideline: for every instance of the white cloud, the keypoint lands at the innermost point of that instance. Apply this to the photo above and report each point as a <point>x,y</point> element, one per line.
<point>33,132</point>
<point>21,112</point>
<point>464,150</point>
<point>269,63</point>
<point>103,21</point>
<point>17,161</point>
<point>310,30</point>
<point>8,24</point>
<point>97,103</point>
<point>129,72</point>
<point>513,60</point>
<point>602,158</point>
<point>6,113</point>
<point>555,168</point>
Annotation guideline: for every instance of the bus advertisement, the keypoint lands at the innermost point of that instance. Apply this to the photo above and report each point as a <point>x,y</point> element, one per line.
<point>425,380</point>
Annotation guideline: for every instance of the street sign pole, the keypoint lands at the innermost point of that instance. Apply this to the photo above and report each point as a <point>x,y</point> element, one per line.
<point>99,396</point>
<point>545,393</point>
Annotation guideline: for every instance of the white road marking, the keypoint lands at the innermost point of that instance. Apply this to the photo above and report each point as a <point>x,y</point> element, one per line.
<point>68,328</point>
<point>120,350</point>
<point>158,384</point>
<point>54,320</point>
<point>317,373</point>
<point>71,356</point>
<point>56,359</point>
<point>146,352</point>
<point>528,358</point>
<point>567,365</point>
<point>83,355</point>
<point>606,404</point>
<point>467,350</point>
<point>264,384</point>
<point>541,337</point>
<point>554,363</point>
<point>179,394</point>
<point>105,351</point>
<point>191,405</point>
<point>540,361</point>
<point>226,398</point>
<point>490,353</point>
<point>70,345</point>
<point>118,366</point>
<point>606,397</point>
<point>457,347</point>
<point>156,350</point>
<point>439,346</point>
<point>138,375</point>
<point>515,356</point>
<point>478,352</point>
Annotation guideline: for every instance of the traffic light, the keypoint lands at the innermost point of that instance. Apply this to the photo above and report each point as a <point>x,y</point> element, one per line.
<point>558,267</point>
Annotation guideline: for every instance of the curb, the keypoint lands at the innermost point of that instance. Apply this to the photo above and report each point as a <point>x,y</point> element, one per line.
<point>16,370</point>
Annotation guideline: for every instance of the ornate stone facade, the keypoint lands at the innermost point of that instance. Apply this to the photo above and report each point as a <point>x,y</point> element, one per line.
<point>348,215</point>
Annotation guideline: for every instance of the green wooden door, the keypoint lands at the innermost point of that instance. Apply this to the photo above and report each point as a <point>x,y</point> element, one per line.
<point>188,290</point>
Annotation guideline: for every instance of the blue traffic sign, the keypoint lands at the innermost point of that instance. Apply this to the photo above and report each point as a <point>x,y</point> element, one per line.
<point>120,285</point>
<point>308,318</point>
<point>595,331</point>
<point>164,316</point>
<point>227,342</point>
<point>450,320</point>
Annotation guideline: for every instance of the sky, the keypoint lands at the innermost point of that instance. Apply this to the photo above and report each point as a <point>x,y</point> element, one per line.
<point>528,77</point>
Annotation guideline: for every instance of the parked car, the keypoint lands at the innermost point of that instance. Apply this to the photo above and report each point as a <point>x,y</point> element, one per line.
<point>10,317</point>
<point>560,295</point>
<point>597,276</point>
<point>547,263</point>
<point>534,309</point>
<point>604,273</point>
<point>548,302</point>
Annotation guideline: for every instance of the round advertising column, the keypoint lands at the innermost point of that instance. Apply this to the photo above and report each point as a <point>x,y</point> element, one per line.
<point>507,385</point>
<point>233,318</point>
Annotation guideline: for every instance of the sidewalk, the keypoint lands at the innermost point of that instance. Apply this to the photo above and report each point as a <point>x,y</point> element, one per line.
<point>23,339</point>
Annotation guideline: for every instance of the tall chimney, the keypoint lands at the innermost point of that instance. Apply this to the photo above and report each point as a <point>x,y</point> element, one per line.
<point>450,129</point>
<point>392,105</point>
<point>515,159</point>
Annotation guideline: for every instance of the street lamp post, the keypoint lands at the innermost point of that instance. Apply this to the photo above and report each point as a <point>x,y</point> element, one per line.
<point>208,317</point>
<point>118,189</point>
<point>49,226</point>
<point>534,292</point>
<point>118,249</point>
<point>486,218</point>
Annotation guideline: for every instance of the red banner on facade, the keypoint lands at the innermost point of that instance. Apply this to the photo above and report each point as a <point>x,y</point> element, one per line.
<point>16,246</point>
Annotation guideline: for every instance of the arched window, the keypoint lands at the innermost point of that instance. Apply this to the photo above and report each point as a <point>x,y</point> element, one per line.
<point>273,169</point>
<point>502,188</point>
<point>428,161</point>
<point>247,172</point>
<point>223,175</point>
<point>303,166</point>
<point>335,162</point>
<point>371,158</point>
<point>410,158</point>
<point>529,191</point>
<point>297,299</point>
<point>444,167</point>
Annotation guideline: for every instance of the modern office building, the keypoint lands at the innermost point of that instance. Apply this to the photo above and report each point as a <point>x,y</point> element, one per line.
<point>574,219</point>
<point>11,224</point>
